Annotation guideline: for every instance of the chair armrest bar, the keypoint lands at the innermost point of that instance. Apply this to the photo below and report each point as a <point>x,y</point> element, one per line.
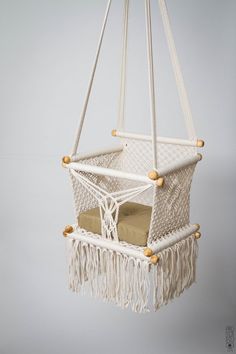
<point>97,170</point>
<point>164,140</point>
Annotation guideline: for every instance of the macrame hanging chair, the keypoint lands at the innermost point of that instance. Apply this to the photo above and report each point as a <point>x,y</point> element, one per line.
<point>132,239</point>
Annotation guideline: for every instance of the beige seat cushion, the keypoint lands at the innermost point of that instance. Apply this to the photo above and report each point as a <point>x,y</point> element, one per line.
<point>133,223</point>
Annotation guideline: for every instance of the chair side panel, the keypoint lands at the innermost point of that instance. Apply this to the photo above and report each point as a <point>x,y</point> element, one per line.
<point>171,204</point>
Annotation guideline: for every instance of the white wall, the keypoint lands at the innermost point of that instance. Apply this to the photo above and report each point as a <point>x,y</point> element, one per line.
<point>47,48</point>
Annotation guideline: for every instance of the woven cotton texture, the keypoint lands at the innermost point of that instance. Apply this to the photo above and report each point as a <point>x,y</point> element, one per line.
<point>137,155</point>
<point>171,204</point>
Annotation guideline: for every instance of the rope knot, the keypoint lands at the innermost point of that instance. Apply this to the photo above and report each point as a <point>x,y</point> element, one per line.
<point>108,218</point>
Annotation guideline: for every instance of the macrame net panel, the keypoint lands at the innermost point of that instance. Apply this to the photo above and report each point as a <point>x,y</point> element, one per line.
<point>171,204</point>
<point>137,155</point>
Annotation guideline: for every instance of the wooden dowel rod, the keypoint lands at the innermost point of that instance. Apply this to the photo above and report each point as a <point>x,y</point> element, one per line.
<point>166,140</point>
<point>97,170</point>
<point>131,176</point>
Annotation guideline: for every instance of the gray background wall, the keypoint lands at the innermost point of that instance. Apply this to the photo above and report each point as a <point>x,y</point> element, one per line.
<point>47,48</point>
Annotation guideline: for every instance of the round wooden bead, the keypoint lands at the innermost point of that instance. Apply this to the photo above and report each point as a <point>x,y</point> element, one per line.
<point>65,234</point>
<point>66,159</point>
<point>200,143</point>
<point>68,229</point>
<point>148,252</point>
<point>154,259</point>
<point>197,235</point>
<point>200,156</point>
<point>153,175</point>
<point>160,182</point>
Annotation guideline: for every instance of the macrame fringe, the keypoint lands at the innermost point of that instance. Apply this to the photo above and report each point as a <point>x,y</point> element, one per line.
<point>125,280</point>
<point>176,271</point>
<point>109,275</point>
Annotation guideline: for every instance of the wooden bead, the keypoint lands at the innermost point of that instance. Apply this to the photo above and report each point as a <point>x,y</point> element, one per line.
<point>66,159</point>
<point>200,143</point>
<point>200,156</point>
<point>148,252</point>
<point>113,132</point>
<point>160,182</point>
<point>65,234</point>
<point>154,259</point>
<point>153,175</point>
<point>197,235</point>
<point>68,230</point>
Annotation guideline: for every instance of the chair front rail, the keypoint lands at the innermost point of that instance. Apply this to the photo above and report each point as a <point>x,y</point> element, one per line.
<point>97,170</point>
<point>130,250</point>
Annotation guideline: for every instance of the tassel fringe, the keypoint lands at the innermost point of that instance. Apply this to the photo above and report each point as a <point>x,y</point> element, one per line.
<point>125,280</point>
<point>175,272</point>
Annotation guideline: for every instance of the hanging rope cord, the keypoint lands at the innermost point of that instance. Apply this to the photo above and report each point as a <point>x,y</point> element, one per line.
<point>184,101</point>
<point>74,151</point>
<point>151,81</point>
<point>120,123</point>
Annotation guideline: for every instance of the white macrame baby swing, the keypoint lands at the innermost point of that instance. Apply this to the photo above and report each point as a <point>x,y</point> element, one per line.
<point>155,173</point>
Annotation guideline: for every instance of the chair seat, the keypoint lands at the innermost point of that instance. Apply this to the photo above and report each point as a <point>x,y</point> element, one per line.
<point>133,222</point>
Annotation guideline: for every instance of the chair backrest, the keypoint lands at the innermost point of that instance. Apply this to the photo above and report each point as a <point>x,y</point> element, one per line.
<point>136,156</point>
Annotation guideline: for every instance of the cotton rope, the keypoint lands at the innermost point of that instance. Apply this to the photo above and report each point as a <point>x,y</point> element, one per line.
<point>184,101</point>
<point>74,151</point>
<point>151,81</point>
<point>120,123</point>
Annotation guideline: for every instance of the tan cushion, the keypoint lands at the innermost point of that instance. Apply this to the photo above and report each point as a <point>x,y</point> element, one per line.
<point>133,223</point>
